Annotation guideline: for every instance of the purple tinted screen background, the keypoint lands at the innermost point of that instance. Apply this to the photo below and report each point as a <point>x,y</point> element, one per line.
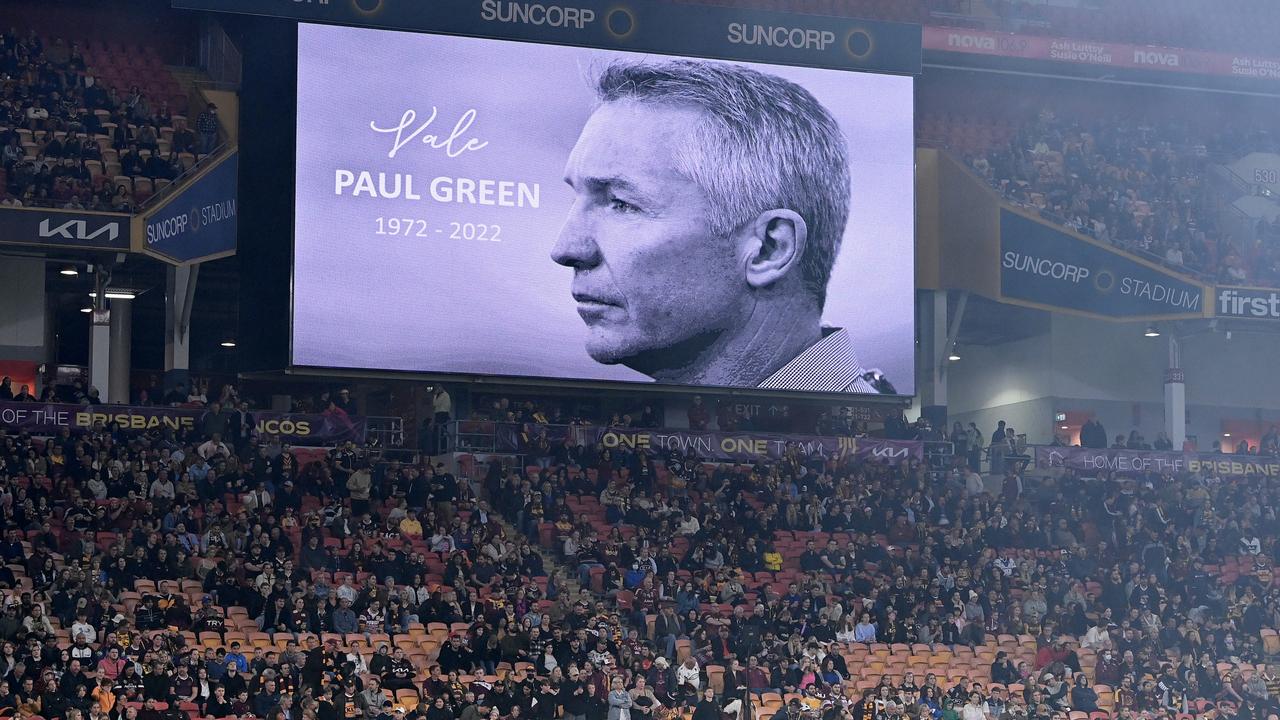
<point>433,304</point>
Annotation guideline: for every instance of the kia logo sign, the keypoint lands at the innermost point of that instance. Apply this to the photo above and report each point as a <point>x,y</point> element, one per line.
<point>78,230</point>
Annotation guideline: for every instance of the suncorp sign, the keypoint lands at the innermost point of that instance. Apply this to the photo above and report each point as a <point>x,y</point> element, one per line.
<point>199,222</point>
<point>193,220</point>
<point>1050,268</point>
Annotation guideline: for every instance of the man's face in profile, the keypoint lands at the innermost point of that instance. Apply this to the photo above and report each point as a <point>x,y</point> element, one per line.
<point>650,279</point>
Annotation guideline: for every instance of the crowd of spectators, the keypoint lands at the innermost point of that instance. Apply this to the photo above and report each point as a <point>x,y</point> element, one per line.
<point>1127,572</point>
<point>1144,595</point>
<point>1136,185</point>
<point>157,574</point>
<point>71,139</point>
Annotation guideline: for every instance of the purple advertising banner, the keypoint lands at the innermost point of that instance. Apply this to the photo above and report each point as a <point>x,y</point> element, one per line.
<point>1127,462</point>
<point>488,207</point>
<point>740,447</point>
<point>295,428</point>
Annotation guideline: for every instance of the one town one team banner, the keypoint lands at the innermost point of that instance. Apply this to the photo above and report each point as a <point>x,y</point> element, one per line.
<point>710,446</point>
<point>1124,461</point>
<point>50,418</point>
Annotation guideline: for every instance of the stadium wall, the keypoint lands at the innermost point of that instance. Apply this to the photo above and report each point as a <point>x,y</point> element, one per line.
<point>22,309</point>
<point>1110,370</point>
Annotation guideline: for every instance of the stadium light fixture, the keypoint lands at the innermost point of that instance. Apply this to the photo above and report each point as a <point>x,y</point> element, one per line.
<point>117,294</point>
<point>228,343</point>
<point>1152,331</point>
<point>69,271</point>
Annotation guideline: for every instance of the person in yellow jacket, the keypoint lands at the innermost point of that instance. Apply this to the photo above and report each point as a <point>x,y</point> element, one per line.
<point>772,558</point>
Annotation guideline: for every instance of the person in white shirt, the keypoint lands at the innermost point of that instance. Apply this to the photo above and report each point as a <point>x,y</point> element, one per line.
<point>37,112</point>
<point>258,499</point>
<point>441,405</point>
<point>688,525</point>
<point>442,541</point>
<point>569,548</point>
<point>82,627</point>
<point>346,592</point>
<point>975,709</point>
<point>357,658</point>
<point>973,484</point>
<point>97,488</point>
<point>162,488</point>
<point>689,674</point>
<point>214,447</point>
<point>1098,637</point>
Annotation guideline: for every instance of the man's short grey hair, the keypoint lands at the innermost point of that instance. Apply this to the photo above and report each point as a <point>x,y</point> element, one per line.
<point>767,143</point>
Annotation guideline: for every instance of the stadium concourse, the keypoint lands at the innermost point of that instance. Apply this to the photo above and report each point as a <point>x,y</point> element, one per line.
<point>152,574</point>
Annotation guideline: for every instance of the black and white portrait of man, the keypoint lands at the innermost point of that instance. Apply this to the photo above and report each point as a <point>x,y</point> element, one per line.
<point>530,210</point>
<point>710,201</point>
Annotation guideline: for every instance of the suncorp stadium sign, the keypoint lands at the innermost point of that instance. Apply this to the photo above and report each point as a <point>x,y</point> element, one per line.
<point>200,222</point>
<point>1049,267</point>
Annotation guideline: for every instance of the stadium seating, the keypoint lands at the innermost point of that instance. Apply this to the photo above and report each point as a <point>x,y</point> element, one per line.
<point>1131,167</point>
<point>496,575</point>
<point>85,133</point>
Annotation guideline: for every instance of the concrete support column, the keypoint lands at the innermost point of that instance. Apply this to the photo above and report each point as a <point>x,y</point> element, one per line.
<point>937,342</point>
<point>120,351</point>
<point>1175,397</point>
<point>100,353</point>
<point>933,356</point>
<point>180,291</point>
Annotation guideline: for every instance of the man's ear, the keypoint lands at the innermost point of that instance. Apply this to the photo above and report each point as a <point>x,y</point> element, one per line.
<point>773,245</point>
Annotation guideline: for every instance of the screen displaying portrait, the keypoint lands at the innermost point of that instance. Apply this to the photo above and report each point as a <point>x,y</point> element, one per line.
<point>489,207</point>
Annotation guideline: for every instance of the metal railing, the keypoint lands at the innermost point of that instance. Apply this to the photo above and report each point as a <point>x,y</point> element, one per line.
<point>385,432</point>
<point>1232,178</point>
<point>473,436</point>
<point>482,436</point>
<point>219,57</point>
<point>181,179</point>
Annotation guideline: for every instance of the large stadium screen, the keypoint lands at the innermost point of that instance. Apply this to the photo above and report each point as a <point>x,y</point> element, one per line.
<point>489,207</point>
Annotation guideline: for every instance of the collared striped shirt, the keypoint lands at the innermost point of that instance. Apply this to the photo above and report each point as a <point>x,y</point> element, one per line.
<point>828,365</point>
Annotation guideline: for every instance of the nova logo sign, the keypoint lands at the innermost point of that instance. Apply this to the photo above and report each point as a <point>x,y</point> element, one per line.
<point>78,230</point>
<point>971,42</point>
<point>1156,57</point>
